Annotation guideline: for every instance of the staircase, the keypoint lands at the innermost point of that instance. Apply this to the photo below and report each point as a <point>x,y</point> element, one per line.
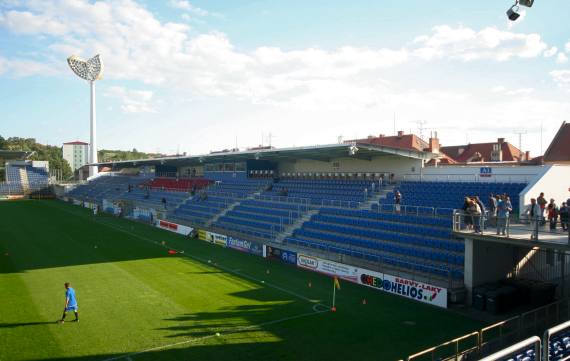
<point>288,231</point>
<point>229,208</point>
<point>24,180</point>
<point>375,198</point>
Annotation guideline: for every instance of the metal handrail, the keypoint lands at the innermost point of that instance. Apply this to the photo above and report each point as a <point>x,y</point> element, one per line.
<point>534,340</point>
<point>455,342</point>
<point>546,338</point>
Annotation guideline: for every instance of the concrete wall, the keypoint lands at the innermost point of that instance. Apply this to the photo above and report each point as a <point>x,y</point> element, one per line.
<point>383,164</point>
<point>486,262</point>
<point>472,173</point>
<point>554,181</point>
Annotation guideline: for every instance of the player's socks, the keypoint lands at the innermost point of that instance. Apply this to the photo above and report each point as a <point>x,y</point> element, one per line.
<point>76,316</point>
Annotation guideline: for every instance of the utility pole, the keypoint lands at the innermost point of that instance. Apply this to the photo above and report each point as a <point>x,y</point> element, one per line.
<point>520,134</point>
<point>421,128</point>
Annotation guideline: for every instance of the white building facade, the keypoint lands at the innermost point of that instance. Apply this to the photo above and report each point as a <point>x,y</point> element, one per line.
<point>76,154</point>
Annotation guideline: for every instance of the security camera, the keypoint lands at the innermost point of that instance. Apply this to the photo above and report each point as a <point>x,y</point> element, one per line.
<point>512,13</point>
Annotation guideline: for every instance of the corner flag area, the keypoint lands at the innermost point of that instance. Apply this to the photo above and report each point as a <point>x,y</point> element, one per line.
<point>138,300</point>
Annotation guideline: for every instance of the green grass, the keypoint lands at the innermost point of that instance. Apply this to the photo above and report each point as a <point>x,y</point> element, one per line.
<point>134,297</point>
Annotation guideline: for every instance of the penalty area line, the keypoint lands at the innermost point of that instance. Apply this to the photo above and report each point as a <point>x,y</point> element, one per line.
<point>129,356</point>
<point>202,260</point>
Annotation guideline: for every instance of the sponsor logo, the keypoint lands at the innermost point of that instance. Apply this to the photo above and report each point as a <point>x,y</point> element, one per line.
<point>168,225</point>
<point>402,286</point>
<point>308,262</point>
<point>485,171</point>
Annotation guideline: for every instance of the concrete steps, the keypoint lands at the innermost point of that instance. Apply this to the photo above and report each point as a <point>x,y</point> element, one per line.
<point>288,231</point>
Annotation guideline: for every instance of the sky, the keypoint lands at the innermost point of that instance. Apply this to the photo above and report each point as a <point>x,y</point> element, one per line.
<point>203,75</point>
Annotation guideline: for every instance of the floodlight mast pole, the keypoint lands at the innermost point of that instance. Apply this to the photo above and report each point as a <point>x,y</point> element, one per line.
<point>90,70</point>
<point>93,170</point>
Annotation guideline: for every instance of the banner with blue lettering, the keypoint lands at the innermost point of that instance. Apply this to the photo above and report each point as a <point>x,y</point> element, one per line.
<point>415,290</point>
<point>245,246</point>
<point>282,254</point>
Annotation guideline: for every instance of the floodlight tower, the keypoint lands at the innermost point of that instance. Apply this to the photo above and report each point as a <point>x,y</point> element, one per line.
<point>89,70</point>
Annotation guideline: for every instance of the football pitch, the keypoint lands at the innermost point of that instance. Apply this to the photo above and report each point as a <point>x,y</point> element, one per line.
<point>137,302</point>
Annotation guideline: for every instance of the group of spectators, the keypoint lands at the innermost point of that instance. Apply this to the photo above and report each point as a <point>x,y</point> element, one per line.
<point>500,207</point>
<point>540,210</point>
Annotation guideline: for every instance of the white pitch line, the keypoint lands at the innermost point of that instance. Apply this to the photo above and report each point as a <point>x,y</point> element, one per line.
<point>236,272</point>
<point>229,332</point>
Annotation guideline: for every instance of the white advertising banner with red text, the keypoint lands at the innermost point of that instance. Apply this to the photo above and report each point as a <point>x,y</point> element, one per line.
<point>400,286</point>
<point>173,227</point>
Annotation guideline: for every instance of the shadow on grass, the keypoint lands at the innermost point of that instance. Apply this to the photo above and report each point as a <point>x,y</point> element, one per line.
<point>23,324</point>
<point>49,234</point>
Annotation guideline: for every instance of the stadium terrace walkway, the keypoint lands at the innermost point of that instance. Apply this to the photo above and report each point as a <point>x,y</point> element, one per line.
<point>519,234</point>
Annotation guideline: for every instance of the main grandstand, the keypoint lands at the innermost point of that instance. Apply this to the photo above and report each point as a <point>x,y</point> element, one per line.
<point>375,215</point>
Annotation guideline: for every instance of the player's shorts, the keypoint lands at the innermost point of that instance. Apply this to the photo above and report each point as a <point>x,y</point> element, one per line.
<point>71,308</point>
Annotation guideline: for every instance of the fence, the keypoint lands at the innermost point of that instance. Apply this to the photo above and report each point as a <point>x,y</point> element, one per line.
<point>415,210</point>
<point>473,177</point>
<point>495,337</point>
<point>522,346</point>
<point>548,348</point>
<point>534,229</point>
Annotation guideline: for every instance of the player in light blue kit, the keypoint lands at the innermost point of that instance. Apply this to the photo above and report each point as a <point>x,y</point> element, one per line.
<point>70,303</point>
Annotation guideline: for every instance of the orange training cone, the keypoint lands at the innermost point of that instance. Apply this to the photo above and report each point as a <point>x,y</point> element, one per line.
<point>333,309</point>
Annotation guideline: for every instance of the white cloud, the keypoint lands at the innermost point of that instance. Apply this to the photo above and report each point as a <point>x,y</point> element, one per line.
<point>561,77</point>
<point>24,67</point>
<point>135,45</point>
<point>467,44</point>
<point>132,101</point>
<point>567,47</point>
<point>24,22</point>
<point>187,6</point>
<point>520,91</point>
<point>551,52</point>
<point>561,58</point>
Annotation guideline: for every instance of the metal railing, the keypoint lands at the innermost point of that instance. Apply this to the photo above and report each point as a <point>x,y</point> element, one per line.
<point>415,210</point>
<point>484,224</point>
<point>340,204</point>
<point>501,334</point>
<point>533,341</point>
<point>306,202</point>
<point>465,178</point>
<point>438,352</point>
<point>548,334</point>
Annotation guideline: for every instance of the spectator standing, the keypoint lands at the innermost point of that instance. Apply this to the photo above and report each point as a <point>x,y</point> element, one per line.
<point>380,181</point>
<point>397,201</point>
<point>503,212</point>
<point>482,210</point>
<point>564,213</point>
<point>373,187</point>
<point>468,218</point>
<point>492,209</point>
<point>365,194</point>
<point>475,210</point>
<point>542,205</point>
<point>533,212</point>
<point>164,202</point>
<point>552,214</point>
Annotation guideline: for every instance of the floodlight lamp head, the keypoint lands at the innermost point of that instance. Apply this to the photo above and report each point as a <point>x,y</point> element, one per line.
<point>90,70</point>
